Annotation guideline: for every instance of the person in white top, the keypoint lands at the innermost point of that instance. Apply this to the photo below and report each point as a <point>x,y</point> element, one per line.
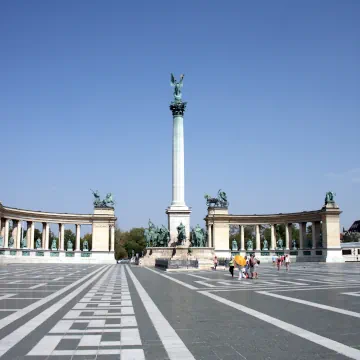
<point>287,262</point>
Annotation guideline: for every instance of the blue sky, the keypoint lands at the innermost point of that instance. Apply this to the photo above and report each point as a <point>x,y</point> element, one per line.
<point>273,104</point>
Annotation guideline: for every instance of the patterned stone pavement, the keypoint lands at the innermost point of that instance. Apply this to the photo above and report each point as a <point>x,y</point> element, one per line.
<point>61,311</point>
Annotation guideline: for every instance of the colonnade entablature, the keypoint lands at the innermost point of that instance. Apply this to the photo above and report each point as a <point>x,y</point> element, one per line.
<point>102,221</point>
<point>325,232</point>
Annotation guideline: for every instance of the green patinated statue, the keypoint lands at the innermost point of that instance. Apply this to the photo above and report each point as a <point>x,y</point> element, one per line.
<point>265,245</point>
<point>330,198</point>
<point>155,236</point>
<point>38,244</point>
<point>23,242</point>
<point>198,237</point>
<point>11,242</point>
<point>234,245</point>
<point>177,87</point>
<point>220,201</point>
<point>85,246</point>
<point>181,234</point>
<point>53,245</point>
<point>69,245</point>
<point>108,202</point>
<point>294,245</point>
<point>280,244</point>
<point>1,241</point>
<point>249,245</point>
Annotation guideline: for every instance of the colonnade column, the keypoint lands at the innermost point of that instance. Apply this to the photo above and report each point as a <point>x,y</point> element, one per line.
<point>32,234</point>
<point>112,237</point>
<point>2,225</point>
<point>43,236</point>
<point>28,234</point>
<point>315,234</point>
<point>6,233</point>
<point>61,236</point>
<point>257,237</point>
<point>47,235</point>
<point>272,241</point>
<point>302,234</point>
<point>209,235</point>
<point>287,236</point>
<point>77,243</point>
<point>242,238</point>
<point>18,234</point>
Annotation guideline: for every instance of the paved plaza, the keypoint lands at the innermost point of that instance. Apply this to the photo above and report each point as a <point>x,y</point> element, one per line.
<point>61,311</point>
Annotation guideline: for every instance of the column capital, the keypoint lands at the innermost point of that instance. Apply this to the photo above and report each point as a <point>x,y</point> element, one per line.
<point>178,108</point>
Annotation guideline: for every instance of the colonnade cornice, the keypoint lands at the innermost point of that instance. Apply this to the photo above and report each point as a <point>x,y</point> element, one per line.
<point>48,217</point>
<point>263,219</point>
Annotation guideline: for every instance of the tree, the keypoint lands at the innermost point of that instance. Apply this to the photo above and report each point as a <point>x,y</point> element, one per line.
<point>69,236</point>
<point>87,237</point>
<point>130,240</point>
<point>37,234</point>
<point>120,253</point>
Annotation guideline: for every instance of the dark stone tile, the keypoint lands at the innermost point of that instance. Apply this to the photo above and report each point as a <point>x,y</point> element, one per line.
<point>68,344</point>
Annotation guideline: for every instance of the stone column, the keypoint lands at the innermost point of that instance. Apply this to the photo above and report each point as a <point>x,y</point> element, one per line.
<point>112,237</point>
<point>47,234</point>
<point>287,237</point>
<point>242,238</point>
<point>257,232</point>
<point>273,238</point>
<point>32,234</point>
<point>315,234</point>
<point>6,233</point>
<point>209,233</point>
<point>18,235</point>
<point>29,229</point>
<point>178,177</point>
<point>43,236</point>
<point>61,236</point>
<point>302,234</point>
<point>78,232</point>
<point>2,231</point>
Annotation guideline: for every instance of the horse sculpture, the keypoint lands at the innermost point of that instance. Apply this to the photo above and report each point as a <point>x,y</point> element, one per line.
<point>219,201</point>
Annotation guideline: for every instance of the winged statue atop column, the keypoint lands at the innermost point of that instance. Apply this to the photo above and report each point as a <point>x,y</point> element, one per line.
<point>177,87</point>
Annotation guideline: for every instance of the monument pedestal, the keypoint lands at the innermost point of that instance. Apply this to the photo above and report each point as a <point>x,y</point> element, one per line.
<point>177,215</point>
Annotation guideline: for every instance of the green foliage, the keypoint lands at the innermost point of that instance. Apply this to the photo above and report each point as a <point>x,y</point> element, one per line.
<point>37,234</point>
<point>120,253</point>
<point>129,240</point>
<point>87,237</point>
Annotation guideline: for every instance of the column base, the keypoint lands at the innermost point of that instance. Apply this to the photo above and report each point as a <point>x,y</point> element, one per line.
<point>177,215</point>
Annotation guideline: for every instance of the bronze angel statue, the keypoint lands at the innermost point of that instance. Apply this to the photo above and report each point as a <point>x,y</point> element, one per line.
<point>177,87</point>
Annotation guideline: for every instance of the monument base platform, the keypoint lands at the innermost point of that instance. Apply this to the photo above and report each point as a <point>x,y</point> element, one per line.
<point>177,215</point>
<point>180,257</point>
<point>9,256</point>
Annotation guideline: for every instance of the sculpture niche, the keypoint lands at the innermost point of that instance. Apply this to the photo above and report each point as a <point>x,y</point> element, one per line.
<point>23,243</point>
<point>220,201</point>
<point>69,245</point>
<point>155,236</point>
<point>38,244</point>
<point>280,244</point>
<point>53,245</point>
<point>234,245</point>
<point>249,245</point>
<point>265,245</point>
<point>108,202</point>
<point>85,246</point>
<point>198,237</point>
<point>11,242</point>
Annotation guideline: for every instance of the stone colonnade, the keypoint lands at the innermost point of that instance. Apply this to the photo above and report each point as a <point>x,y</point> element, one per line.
<point>325,232</point>
<point>102,222</point>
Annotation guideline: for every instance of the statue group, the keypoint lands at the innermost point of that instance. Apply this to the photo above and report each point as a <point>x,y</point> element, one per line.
<point>330,198</point>
<point>198,237</point>
<point>155,236</point>
<point>220,201</point>
<point>108,202</point>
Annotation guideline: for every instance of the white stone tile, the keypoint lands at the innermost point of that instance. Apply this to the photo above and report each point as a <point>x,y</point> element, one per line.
<point>132,354</point>
<point>45,346</point>
<point>127,311</point>
<point>90,340</point>
<point>130,337</point>
<point>62,326</point>
<point>96,323</point>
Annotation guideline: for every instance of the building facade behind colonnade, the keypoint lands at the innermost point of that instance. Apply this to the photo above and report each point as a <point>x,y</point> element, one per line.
<point>324,246</point>
<point>20,245</point>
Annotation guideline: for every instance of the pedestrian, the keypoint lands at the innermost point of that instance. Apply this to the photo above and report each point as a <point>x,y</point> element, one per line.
<point>231,267</point>
<point>256,268</point>
<point>287,262</point>
<point>278,262</point>
<point>215,262</point>
<point>251,266</point>
<point>241,271</point>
